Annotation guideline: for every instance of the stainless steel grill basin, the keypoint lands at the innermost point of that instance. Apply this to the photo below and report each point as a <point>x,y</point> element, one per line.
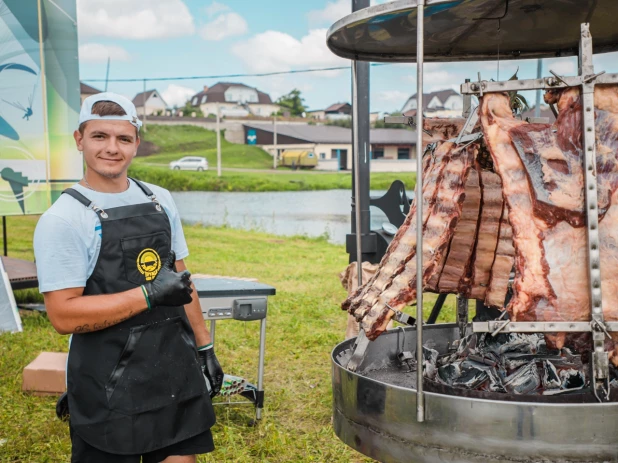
<point>375,413</point>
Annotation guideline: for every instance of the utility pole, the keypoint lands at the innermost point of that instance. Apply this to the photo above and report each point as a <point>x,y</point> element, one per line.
<point>144,102</point>
<point>539,74</point>
<point>275,142</point>
<point>218,141</point>
<point>107,73</point>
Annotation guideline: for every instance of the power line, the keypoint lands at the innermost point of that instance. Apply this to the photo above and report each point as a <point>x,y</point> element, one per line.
<point>227,76</point>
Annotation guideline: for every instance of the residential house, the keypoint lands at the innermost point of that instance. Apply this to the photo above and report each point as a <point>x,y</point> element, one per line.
<point>390,149</point>
<point>317,114</point>
<point>443,103</point>
<point>337,111</point>
<point>86,90</point>
<point>234,100</point>
<point>152,101</point>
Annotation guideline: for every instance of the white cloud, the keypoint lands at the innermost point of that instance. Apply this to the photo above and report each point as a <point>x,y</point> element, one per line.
<point>333,11</point>
<point>98,53</point>
<point>393,96</point>
<point>562,67</point>
<point>224,26</point>
<point>177,95</point>
<point>134,19</point>
<point>216,7</point>
<point>276,51</point>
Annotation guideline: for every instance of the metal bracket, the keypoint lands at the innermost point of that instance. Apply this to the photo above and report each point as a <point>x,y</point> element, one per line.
<point>360,349</point>
<point>546,83</point>
<point>468,127</point>
<point>390,203</point>
<point>462,315</point>
<point>508,326</point>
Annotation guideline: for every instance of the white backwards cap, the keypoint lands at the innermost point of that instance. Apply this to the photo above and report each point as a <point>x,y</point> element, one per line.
<point>129,108</point>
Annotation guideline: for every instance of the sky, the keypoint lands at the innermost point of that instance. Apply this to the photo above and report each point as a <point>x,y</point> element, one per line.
<point>176,38</point>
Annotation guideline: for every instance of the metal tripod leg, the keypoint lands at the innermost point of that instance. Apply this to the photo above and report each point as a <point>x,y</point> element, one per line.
<point>259,406</point>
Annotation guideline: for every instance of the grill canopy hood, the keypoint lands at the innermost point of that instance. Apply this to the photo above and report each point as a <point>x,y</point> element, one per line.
<point>454,30</point>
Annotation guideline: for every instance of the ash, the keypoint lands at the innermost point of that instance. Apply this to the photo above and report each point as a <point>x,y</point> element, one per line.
<point>511,363</point>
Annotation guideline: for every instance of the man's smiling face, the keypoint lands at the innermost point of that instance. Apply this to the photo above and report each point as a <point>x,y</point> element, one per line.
<point>109,146</point>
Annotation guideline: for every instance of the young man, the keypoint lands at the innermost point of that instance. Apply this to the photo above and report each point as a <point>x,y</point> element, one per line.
<point>109,254</point>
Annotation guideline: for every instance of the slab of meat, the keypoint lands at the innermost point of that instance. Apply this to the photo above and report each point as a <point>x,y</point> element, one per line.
<point>441,129</point>
<point>503,263</point>
<point>461,250</point>
<point>543,183</point>
<point>437,233</point>
<point>487,236</point>
<point>402,247</point>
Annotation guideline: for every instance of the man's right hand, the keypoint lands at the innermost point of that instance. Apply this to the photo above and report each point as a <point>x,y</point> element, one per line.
<point>169,288</point>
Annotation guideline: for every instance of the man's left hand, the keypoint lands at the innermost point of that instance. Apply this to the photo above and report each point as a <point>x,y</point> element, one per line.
<point>212,369</point>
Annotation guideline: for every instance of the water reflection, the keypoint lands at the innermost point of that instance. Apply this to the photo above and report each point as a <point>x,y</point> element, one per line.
<point>310,213</point>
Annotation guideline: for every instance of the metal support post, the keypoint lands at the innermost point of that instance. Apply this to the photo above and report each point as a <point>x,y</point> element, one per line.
<point>462,314</point>
<point>600,358</point>
<point>6,247</point>
<point>539,75</point>
<point>361,149</point>
<point>420,397</point>
<point>276,147</point>
<point>467,104</point>
<point>144,102</point>
<point>260,384</point>
<point>357,188</point>
<point>212,331</point>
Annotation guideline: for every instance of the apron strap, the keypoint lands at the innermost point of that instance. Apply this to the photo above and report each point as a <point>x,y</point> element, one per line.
<point>78,196</point>
<point>143,187</point>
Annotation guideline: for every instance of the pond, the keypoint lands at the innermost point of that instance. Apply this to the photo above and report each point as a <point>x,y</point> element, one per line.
<point>324,213</point>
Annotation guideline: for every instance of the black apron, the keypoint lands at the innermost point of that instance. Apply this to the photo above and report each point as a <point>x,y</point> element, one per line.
<point>136,386</point>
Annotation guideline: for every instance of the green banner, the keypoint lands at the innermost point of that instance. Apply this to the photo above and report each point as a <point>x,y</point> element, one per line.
<point>39,103</point>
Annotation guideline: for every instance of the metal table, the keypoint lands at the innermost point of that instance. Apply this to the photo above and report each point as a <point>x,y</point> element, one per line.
<point>231,299</point>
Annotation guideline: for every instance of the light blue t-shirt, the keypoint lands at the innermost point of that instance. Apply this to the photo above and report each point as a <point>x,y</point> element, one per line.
<point>67,238</point>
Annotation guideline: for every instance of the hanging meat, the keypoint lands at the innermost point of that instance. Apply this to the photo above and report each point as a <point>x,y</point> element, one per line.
<point>531,214</point>
<point>543,184</point>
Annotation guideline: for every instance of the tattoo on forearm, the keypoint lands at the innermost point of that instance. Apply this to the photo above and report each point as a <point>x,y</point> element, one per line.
<point>100,326</point>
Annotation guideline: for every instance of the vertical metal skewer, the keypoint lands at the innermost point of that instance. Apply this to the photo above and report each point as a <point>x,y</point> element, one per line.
<point>357,160</point>
<point>420,398</point>
<point>600,358</point>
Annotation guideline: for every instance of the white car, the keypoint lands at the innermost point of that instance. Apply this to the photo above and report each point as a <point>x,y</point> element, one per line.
<point>190,163</point>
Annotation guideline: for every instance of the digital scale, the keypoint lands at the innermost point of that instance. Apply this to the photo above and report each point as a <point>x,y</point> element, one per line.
<point>241,300</point>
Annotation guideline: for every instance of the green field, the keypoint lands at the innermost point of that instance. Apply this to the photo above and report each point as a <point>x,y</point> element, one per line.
<point>304,324</point>
<point>176,141</point>
<point>261,181</point>
<point>185,140</point>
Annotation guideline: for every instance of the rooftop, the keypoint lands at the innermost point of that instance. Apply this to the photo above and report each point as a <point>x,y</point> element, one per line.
<point>335,134</point>
<point>216,93</point>
<point>86,89</point>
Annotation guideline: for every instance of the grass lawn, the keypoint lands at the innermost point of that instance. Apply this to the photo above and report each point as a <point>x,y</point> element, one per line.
<point>185,140</point>
<point>304,324</point>
<point>177,141</point>
<point>261,181</point>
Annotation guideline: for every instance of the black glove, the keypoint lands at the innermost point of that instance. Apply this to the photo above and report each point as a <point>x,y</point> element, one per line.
<point>169,288</point>
<point>212,369</point>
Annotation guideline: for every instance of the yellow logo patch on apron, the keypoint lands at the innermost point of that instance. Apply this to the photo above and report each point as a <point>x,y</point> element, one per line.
<point>149,263</point>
